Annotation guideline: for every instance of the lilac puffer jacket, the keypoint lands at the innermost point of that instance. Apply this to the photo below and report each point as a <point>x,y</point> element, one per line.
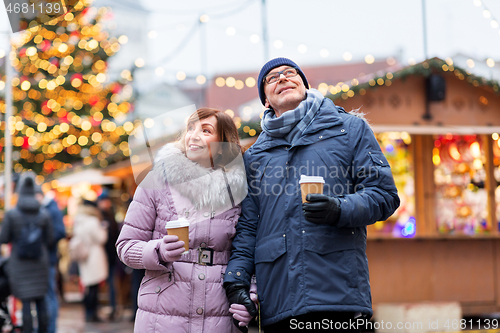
<point>183,296</point>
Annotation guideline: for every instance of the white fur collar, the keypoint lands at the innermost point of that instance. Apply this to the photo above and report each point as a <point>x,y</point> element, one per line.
<point>203,187</point>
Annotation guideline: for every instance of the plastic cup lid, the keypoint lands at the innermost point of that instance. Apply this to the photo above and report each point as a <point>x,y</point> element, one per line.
<point>311,179</point>
<point>180,223</point>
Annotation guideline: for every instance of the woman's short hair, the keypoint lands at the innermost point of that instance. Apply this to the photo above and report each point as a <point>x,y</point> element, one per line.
<point>226,131</point>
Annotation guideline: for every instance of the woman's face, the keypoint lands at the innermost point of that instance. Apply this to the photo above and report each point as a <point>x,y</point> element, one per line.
<point>199,136</point>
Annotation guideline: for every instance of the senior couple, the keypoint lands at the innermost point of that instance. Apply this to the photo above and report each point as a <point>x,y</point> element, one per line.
<point>308,259</point>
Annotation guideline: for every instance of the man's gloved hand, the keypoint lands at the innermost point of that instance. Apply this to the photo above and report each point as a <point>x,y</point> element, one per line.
<point>322,209</point>
<point>239,293</point>
<point>170,249</point>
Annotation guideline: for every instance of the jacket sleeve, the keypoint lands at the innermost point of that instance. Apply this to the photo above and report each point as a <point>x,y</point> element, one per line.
<point>99,234</point>
<point>375,196</point>
<point>6,230</point>
<point>243,247</point>
<point>49,229</point>
<point>57,222</point>
<point>135,246</point>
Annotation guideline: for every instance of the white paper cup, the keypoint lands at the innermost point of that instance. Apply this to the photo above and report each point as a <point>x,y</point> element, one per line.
<point>311,184</point>
<point>180,228</point>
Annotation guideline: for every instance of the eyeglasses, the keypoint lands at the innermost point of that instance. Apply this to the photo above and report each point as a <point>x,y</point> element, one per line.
<point>275,76</point>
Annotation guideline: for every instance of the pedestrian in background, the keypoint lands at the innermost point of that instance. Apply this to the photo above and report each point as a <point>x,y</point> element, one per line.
<point>29,228</point>
<point>108,214</point>
<point>93,268</point>
<point>51,298</point>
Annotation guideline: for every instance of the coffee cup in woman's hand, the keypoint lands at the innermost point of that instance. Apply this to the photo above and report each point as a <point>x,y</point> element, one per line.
<point>171,248</point>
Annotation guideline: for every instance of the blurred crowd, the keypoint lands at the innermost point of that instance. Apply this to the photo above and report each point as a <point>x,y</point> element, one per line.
<point>36,241</point>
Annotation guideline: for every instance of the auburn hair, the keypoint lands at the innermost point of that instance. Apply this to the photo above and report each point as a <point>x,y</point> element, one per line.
<point>226,131</point>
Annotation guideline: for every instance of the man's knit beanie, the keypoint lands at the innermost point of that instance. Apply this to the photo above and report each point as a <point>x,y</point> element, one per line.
<point>276,62</point>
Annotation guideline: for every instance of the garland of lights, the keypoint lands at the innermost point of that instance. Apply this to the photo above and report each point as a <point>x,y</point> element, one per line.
<point>344,91</point>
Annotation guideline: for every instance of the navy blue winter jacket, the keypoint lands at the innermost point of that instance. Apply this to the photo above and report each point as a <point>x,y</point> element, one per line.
<point>300,266</point>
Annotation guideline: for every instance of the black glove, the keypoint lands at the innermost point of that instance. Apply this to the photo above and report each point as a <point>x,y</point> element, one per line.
<point>322,209</point>
<point>239,293</point>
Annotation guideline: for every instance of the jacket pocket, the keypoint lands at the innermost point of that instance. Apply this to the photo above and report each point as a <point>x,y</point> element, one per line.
<point>378,159</point>
<point>272,269</point>
<point>325,239</point>
<point>330,252</point>
<point>270,248</point>
<point>157,283</point>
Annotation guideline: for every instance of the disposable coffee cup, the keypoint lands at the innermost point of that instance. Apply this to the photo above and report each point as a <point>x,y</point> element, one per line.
<point>311,184</point>
<point>180,228</point>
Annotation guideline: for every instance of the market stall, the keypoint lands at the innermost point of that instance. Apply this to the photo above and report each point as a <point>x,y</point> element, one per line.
<point>442,141</point>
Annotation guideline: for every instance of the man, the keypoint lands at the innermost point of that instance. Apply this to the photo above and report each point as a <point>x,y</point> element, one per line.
<point>309,259</point>
<point>51,298</point>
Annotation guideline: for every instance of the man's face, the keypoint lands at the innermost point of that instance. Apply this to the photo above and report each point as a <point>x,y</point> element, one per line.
<point>284,94</point>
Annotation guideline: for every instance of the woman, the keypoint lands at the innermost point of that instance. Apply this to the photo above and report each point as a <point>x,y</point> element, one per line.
<point>28,266</point>
<point>182,292</point>
<point>93,268</point>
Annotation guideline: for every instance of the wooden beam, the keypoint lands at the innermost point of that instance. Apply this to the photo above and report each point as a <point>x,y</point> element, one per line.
<point>425,192</point>
<point>490,184</point>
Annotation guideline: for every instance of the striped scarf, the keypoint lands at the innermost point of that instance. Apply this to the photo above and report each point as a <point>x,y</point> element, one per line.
<point>293,123</point>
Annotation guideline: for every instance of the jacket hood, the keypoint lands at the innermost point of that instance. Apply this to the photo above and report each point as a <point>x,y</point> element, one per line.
<point>26,190</point>
<point>202,186</point>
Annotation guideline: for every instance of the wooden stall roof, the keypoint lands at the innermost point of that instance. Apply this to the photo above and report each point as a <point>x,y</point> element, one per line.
<point>397,99</point>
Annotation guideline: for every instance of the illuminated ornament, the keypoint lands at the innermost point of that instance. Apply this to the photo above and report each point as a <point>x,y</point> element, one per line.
<point>26,143</point>
<point>45,109</point>
<point>93,100</point>
<point>409,228</point>
<point>475,150</point>
<point>454,152</point>
<point>116,88</point>
<point>45,45</point>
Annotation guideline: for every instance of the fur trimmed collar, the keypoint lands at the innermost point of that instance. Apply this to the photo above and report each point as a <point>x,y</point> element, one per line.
<point>202,186</point>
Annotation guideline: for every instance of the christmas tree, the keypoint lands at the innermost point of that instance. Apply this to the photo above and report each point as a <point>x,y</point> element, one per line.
<point>65,108</point>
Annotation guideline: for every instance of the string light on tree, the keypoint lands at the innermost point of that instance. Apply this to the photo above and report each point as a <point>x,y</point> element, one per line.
<point>123,39</point>
<point>139,62</point>
<point>62,96</point>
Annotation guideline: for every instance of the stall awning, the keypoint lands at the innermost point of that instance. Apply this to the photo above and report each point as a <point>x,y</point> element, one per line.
<point>415,129</point>
<point>92,176</point>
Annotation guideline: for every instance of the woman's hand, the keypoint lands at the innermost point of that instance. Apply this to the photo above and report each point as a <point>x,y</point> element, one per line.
<point>240,312</point>
<point>171,248</point>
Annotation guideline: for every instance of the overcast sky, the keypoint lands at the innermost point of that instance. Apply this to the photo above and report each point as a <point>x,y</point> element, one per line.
<point>314,31</point>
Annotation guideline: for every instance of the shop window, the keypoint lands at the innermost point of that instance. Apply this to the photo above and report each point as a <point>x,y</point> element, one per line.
<point>460,177</point>
<point>396,147</point>
<point>496,173</point>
